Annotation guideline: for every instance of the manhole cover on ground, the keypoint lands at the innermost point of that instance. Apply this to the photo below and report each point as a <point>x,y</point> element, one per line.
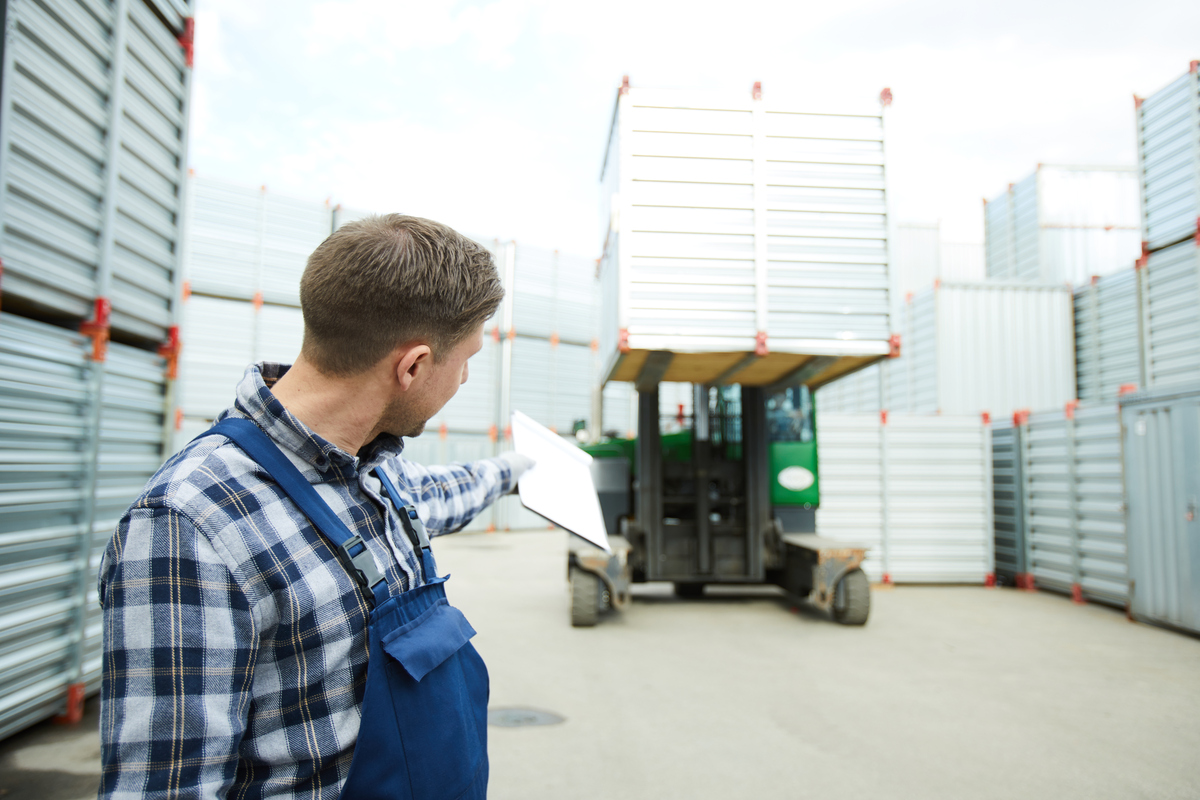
<point>521,717</point>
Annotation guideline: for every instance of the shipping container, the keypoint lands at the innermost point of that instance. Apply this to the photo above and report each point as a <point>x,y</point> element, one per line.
<point>93,140</point>
<point>1170,301</point>
<point>746,237</point>
<point>991,347</point>
<point>47,464</point>
<point>1064,224</point>
<point>1073,502</point>
<point>859,393</point>
<point>962,262</point>
<point>1108,336</point>
<point>1168,127</point>
<point>917,490</point>
<point>1162,464</point>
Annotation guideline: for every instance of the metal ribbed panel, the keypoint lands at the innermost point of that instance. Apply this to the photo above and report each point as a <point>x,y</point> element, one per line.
<point>475,406</point>
<point>1162,462</point>
<point>860,393</point>
<point>1171,314</point>
<point>1025,229</point>
<point>851,458</point>
<point>620,411</point>
<point>92,193</point>
<point>1008,510</point>
<point>45,443</point>
<point>533,291</point>
<point>1074,503</point>
<point>279,332</point>
<point>998,237</point>
<point>939,488</point>
<point>218,345</point>
<point>291,230</point>
<point>1108,348</point>
<point>57,82</point>
<point>1169,158</point>
<point>571,386</point>
<point>532,387</point>
<point>130,451</point>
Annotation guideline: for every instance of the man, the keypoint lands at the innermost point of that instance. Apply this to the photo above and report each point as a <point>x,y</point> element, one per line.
<point>236,629</point>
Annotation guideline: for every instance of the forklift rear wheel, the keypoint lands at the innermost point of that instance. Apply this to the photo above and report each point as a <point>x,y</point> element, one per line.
<point>852,598</point>
<point>689,591</point>
<point>586,598</point>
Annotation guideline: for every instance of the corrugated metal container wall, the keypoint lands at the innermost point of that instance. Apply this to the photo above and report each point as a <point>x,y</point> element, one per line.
<point>130,450</point>
<point>1064,223</point>
<point>917,490</point>
<point>1074,503</point>
<point>1162,462</point>
<point>46,449</point>
<point>218,345</point>
<point>1008,508</point>
<point>1108,348</point>
<point>995,347</point>
<point>245,241</point>
<point>474,407</point>
<point>860,393</point>
<point>92,145</point>
<point>962,262</point>
<point>733,217</point>
<point>1168,124</point>
<point>620,411</point>
<point>916,260</point>
<point>1171,314</point>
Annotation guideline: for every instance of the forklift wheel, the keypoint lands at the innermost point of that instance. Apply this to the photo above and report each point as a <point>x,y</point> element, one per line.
<point>586,597</point>
<point>689,591</point>
<point>852,598</point>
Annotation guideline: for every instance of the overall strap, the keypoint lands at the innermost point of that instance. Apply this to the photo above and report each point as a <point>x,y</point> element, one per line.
<point>413,527</point>
<point>350,548</point>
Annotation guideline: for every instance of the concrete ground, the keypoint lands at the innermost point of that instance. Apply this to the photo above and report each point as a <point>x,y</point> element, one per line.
<point>948,692</point>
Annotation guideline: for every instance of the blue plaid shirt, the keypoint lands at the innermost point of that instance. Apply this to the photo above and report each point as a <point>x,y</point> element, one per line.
<point>234,640</point>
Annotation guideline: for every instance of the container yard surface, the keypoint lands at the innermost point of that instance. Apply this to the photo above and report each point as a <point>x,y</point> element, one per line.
<point>948,692</point>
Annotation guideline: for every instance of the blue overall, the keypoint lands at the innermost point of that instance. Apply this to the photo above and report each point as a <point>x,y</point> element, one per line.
<point>424,714</point>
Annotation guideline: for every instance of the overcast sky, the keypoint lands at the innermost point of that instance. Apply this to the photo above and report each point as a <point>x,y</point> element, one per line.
<point>492,116</point>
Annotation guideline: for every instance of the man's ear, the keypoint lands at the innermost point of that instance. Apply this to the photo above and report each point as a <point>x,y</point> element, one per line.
<point>412,363</point>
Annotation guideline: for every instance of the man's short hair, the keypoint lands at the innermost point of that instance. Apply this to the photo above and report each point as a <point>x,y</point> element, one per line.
<point>383,281</point>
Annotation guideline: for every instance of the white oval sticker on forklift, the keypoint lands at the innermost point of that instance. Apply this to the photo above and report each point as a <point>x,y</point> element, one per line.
<point>796,479</point>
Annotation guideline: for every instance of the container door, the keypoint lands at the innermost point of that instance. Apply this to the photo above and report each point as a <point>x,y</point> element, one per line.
<point>1162,455</point>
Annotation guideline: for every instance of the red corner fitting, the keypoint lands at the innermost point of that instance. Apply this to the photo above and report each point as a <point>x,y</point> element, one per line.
<point>624,85</point>
<point>987,420</point>
<point>185,293</point>
<point>887,578</point>
<point>1077,594</point>
<point>98,329</point>
<point>1126,388</point>
<point>885,97</point>
<point>178,418</point>
<point>512,334</point>
<point>496,334</point>
<point>623,340</point>
<point>170,351</point>
<point>883,415</point>
<point>554,339</point>
<point>1021,417</point>
<point>187,40</point>
<point>493,433</point>
<point>1070,408</point>
<point>443,431</point>
<point>595,345</point>
<point>760,344</point>
<point>1194,66</point>
<point>1141,262</point>
<point>76,693</point>
<point>507,432</point>
<point>937,283</point>
<point>1137,102</point>
<point>1025,581</point>
<point>894,344</point>
<point>756,92</point>
<point>258,301</point>
<point>989,580</point>
<point>1197,231</point>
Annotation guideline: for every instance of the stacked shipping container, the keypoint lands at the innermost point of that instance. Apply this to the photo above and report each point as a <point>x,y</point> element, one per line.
<point>93,133</point>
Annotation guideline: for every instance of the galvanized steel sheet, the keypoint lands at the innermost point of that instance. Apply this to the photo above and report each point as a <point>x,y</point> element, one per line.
<point>1171,314</point>
<point>1168,126</point>
<point>1108,342</point>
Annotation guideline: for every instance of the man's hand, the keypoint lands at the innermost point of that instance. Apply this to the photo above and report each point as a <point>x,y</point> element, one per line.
<point>518,463</point>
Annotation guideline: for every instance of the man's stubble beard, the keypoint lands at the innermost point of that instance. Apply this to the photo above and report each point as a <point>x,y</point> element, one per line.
<point>404,421</point>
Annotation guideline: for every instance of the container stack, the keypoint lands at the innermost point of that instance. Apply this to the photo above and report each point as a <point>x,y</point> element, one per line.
<point>1063,224</point>
<point>94,120</point>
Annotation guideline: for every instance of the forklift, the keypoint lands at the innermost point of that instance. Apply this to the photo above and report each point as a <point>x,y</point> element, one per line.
<point>728,498</point>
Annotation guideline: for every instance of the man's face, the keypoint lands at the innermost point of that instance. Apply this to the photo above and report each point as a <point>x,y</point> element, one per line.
<point>407,415</point>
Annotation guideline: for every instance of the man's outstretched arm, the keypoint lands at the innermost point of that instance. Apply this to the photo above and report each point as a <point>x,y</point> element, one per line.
<point>449,497</point>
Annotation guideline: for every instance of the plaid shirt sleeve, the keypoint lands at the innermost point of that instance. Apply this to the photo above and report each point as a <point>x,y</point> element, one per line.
<point>180,649</point>
<point>449,497</point>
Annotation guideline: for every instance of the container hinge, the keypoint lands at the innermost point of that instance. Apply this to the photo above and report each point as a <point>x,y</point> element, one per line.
<point>187,40</point>
<point>170,351</point>
<point>98,329</point>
